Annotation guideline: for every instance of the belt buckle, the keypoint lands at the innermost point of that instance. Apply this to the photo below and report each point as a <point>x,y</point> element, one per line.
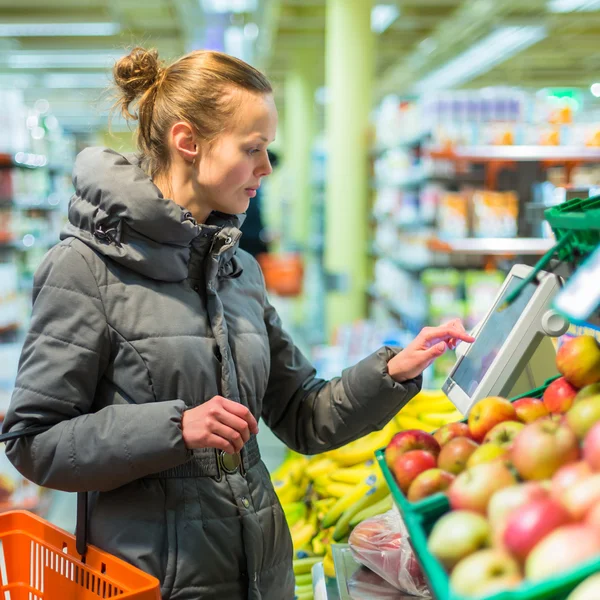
<point>231,463</point>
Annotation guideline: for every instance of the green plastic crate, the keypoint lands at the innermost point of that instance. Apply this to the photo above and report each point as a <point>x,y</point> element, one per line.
<point>579,221</point>
<point>433,504</point>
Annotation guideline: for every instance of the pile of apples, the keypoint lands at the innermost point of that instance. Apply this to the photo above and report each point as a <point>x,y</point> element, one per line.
<point>522,480</point>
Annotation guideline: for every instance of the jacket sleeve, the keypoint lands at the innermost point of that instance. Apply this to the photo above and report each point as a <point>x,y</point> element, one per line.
<point>311,415</point>
<point>65,353</point>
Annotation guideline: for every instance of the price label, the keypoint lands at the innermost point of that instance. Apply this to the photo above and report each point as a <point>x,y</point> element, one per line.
<point>580,296</point>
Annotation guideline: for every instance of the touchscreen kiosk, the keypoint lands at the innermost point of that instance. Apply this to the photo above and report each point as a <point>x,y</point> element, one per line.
<point>506,341</point>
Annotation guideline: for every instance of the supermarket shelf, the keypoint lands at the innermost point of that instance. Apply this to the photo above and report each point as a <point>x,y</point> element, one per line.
<point>407,226</point>
<point>519,153</point>
<point>411,322</point>
<point>492,246</point>
<point>409,142</point>
<point>437,260</point>
<point>418,181</point>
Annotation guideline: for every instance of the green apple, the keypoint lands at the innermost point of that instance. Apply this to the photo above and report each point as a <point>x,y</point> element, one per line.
<point>589,390</point>
<point>476,574</point>
<point>589,589</point>
<point>583,414</point>
<point>458,534</point>
<point>486,453</point>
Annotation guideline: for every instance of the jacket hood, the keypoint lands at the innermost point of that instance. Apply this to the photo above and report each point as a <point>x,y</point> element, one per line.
<point>119,212</point>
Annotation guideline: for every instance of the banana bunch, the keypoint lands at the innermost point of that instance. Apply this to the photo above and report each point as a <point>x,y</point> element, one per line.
<point>303,576</point>
<point>427,411</point>
<point>289,479</point>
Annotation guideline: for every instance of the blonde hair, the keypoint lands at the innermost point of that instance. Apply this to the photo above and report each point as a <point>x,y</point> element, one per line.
<point>195,88</point>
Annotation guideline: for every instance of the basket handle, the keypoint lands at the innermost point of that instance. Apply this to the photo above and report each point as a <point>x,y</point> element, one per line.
<point>82,497</point>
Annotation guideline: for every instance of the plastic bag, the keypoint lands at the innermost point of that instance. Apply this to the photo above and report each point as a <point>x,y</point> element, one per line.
<point>381,544</point>
<point>367,585</point>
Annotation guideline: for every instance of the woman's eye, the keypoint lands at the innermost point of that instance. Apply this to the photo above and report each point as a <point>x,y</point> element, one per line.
<point>253,151</point>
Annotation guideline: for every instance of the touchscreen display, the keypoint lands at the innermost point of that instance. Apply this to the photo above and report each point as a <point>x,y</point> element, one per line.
<point>482,353</point>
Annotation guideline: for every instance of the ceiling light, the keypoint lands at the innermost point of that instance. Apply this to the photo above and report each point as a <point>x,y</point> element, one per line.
<point>229,6</point>
<point>382,16</point>
<point>595,89</point>
<point>75,80</point>
<point>58,29</point>
<point>34,59</point>
<point>494,49</point>
<point>565,6</point>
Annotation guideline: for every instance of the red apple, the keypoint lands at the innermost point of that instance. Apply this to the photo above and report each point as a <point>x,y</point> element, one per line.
<point>454,455</point>
<point>559,396</point>
<point>486,453</point>
<point>504,433</point>
<point>568,476</point>
<point>410,439</point>
<point>583,414</point>
<point>487,413</point>
<point>408,465</point>
<point>578,359</point>
<point>593,518</point>
<point>591,447</point>
<point>450,431</point>
<point>582,496</point>
<point>506,500</point>
<point>429,482</point>
<point>542,447</point>
<point>589,589</point>
<point>485,572</point>
<point>530,523</point>
<point>565,548</point>
<point>456,535</point>
<point>530,409</point>
<point>473,488</point>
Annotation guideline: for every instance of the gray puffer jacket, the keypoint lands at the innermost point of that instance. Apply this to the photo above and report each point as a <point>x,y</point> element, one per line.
<point>138,314</point>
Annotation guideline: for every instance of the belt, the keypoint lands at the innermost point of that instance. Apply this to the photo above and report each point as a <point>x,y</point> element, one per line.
<point>210,462</point>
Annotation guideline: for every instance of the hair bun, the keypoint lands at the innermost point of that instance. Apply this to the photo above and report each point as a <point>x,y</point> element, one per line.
<point>137,72</point>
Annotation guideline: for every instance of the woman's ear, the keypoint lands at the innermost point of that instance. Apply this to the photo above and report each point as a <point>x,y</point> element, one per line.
<point>185,142</point>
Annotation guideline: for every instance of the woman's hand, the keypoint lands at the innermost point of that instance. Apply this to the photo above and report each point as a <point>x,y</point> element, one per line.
<point>218,423</point>
<point>425,348</point>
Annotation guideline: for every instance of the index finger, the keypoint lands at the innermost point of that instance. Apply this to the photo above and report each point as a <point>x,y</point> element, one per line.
<point>445,332</point>
<point>243,412</point>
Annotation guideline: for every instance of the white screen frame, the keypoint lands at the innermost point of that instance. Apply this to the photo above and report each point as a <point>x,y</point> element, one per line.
<point>517,349</point>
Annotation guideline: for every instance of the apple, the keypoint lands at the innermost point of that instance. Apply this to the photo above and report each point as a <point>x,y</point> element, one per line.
<point>429,482</point>
<point>529,409</point>
<point>456,535</point>
<point>592,518</point>
<point>487,413</point>
<point>410,439</point>
<point>588,589</point>
<point>542,447</point>
<point>450,431</point>
<point>582,496</point>
<point>578,359</point>
<point>454,455</point>
<point>591,447</point>
<point>559,396</point>
<point>531,523</point>
<point>587,391</point>
<point>473,575</point>
<point>473,488</point>
<point>583,414</point>
<point>506,500</point>
<point>410,464</point>
<point>504,433</point>
<point>487,453</point>
<point>568,476</point>
<point>566,547</point>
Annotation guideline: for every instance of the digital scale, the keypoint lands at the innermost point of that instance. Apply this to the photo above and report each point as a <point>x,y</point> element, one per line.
<point>513,351</point>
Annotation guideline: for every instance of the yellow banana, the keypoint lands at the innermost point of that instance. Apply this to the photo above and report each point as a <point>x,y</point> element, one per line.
<point>305,565</point>
<point>338,490</point>
<point>302,535</point>
<point>408,422</point>
<point>294,511</point>
<point>304,593</point>
<point>328,565</point>
<point>352,475</point>
<point>319,467</point>
<point>437,404</point>
<point>372,511</point>
<point>372,496</point>
<point>364,448</point>
<point>440,419</point>
<point>305,579</point>
<point>348,500</point>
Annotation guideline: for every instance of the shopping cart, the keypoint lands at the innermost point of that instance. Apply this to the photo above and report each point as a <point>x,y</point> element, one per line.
<point>39,561</point>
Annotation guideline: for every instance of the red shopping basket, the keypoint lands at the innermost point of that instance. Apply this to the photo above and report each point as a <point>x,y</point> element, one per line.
<point>39,561</point>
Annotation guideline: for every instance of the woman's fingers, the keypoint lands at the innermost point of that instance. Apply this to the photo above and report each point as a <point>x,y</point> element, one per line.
<point>446,332</point>
<point>241,411</point>
<point>236,423</point>
<point>229,435</point>
<point>215,441</point>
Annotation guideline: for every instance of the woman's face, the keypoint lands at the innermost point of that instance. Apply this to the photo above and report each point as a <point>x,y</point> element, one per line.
<point>231,170</point>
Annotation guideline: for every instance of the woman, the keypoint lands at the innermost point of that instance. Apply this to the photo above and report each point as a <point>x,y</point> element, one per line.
<point>153,350</point>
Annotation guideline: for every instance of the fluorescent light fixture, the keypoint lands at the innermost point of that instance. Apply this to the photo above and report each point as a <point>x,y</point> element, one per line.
<point>566,6</point>
<point>229,6</point>
<point>595,89</point>
<point>58,29</point>
<point>34,59</point>
<point>75,80</point>
<point>502,44</point>
<point>382,16</point>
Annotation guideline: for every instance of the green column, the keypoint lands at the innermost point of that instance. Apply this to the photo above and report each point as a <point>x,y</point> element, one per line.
<point>349,79</point>
<point>300,86</point>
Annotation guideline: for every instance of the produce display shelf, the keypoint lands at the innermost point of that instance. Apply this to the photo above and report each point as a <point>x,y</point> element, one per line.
<point>531,153</point>
<point>490,246</point>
